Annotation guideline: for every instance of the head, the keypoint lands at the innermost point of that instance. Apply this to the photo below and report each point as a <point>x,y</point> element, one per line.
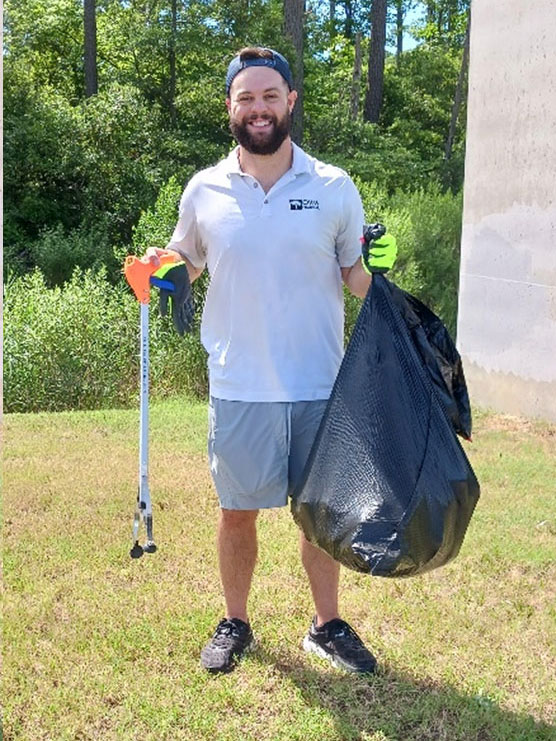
<point>260,99</point>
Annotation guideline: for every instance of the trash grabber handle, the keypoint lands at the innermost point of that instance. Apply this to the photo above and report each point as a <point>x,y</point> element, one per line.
<point>138,272</point>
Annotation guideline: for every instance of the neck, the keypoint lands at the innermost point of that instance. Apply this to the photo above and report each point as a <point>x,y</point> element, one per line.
<point>267,168</point>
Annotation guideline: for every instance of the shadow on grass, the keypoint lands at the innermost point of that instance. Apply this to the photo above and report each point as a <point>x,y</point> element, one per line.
<point>402,708</point>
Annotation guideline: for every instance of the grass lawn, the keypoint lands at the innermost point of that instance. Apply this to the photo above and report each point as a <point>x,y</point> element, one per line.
<point>97,646</point>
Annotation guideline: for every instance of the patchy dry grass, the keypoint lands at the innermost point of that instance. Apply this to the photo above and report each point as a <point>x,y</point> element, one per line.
<point>97,646</point>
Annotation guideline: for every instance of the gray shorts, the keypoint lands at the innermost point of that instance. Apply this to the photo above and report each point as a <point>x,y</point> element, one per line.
<point>257,450</point>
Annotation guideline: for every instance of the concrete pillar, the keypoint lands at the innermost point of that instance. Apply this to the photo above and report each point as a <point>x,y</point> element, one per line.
<point>507,299</point>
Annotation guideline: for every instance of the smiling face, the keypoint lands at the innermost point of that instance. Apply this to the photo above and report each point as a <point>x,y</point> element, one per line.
<point>260,106</point>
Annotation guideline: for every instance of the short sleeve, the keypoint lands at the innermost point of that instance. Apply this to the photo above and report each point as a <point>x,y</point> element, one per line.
<point>186,238</point>
<point>352,218</point>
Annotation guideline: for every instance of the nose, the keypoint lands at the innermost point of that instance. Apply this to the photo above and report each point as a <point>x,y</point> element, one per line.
<point>259,105</point>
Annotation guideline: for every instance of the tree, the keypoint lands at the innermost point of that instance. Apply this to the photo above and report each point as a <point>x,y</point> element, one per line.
<point>90,56</point>
<point>172,61</point>
<point>293,29</point>
<point>356,81</point>
<point>458,97</point>
<point>399,29</point>
<point>375,76</point>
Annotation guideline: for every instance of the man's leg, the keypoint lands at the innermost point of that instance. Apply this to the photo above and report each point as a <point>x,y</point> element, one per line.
<point>237,554</point>
<point>324,577</point>
<point>330,637</point>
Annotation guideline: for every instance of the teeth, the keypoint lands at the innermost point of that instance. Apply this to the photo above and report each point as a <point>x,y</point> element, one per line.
<point>260,124</point>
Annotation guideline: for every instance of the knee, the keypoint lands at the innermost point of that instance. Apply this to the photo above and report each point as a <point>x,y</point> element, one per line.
<point>238,519</point>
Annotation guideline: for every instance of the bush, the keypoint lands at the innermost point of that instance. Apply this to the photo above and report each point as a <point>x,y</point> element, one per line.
<point>156,225</point>
<point>427,226</point>
<point>57,253</point>
<point>76,347</point>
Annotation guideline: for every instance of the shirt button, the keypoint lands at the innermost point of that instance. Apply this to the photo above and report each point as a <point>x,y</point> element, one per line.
<point>265,200</point>
<point>255,185</point>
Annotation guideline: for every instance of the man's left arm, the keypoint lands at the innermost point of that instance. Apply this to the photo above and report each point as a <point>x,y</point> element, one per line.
<point>357,279</point>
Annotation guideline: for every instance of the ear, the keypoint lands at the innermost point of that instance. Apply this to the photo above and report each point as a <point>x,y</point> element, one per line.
<point>228,104</point>
<point>292,97</point>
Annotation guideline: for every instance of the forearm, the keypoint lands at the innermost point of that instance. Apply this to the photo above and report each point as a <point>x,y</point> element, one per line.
<point>193,272</point>
<point>357,279</point>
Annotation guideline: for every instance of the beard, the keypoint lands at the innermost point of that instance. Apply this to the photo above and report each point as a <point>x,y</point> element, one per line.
<point>262,144</point>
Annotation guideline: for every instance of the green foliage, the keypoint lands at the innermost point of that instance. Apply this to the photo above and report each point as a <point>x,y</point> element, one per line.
<point>42,157</point>
<point>418,100</point>
<point>155,226</point>
<point>427,226</point>
<point>88,181</point>
<point>57,254</point>
<point>76,346</point>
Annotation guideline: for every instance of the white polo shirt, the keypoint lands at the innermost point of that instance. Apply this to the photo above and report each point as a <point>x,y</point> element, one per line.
<point>273,318</point>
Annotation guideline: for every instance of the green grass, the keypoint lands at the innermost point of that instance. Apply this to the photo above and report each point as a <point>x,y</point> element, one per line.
<point>97,646</point>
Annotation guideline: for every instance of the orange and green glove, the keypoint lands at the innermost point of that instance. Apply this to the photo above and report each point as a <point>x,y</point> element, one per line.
<point>174,284</point>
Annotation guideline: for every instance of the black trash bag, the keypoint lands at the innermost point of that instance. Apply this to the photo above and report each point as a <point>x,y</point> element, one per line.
<point>388,489</point>
<point>440,356</point>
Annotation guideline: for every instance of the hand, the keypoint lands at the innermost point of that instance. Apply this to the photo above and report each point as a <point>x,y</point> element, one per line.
<point>153,255</point>
<point>183,307</point>
<point>379,250</point>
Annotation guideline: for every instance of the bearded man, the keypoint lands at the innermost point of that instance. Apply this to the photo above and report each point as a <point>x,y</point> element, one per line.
<point>278,231</point>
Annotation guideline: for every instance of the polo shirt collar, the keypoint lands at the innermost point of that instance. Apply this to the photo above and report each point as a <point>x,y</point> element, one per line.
<point>300,163</point>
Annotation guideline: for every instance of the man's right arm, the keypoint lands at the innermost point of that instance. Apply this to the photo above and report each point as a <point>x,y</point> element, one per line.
<point>186,241</point>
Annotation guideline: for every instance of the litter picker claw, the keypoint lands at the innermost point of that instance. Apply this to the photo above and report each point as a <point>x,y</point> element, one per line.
<point>139,275</point>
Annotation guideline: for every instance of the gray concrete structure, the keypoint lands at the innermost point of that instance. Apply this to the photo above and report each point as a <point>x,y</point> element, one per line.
<point>507,300</point>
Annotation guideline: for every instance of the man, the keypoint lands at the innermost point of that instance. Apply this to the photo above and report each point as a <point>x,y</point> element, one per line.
<point>278,231</point>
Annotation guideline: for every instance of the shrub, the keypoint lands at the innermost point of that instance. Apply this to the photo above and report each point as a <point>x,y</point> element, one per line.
<point>76,346</point>
<point>57,253</point>
<point>427,226</point>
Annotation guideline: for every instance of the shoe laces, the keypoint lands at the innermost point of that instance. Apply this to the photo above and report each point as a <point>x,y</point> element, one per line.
<point>340,632</point>
<point>226,630</point>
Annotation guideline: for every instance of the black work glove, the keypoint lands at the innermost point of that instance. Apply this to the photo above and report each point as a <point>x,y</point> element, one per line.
<point>183,307</point>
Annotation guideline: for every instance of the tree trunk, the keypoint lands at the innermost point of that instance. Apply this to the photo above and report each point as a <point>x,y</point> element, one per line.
<point>356,83</point>
<point>348,28</point>
<point>375,77</point>
<point>293,29</point>
<point>459,93</point>
<point>90,47</point>
<point>399,30</point>
<point>172,62</point>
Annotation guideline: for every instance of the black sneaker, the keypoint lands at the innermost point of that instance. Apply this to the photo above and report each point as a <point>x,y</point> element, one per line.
<point>337,642</point>
<point>231,639</point>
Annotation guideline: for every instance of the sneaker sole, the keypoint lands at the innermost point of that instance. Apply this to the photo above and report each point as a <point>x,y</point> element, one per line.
<point>311,647</point>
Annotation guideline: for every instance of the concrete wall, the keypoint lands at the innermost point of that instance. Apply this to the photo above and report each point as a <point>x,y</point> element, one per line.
<point>507,302</point>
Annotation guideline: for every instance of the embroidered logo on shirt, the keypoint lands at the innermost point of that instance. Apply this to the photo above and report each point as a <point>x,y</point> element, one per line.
<point>298,204</point>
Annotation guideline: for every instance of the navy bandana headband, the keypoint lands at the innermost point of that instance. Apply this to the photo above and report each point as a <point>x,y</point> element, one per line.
<point>277,62</point>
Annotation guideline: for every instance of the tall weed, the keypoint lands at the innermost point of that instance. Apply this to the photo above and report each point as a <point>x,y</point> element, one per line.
<point>76,346</point>
<point>427,226</point>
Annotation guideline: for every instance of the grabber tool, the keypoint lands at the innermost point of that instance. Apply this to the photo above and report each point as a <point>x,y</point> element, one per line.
<point>139,275</point>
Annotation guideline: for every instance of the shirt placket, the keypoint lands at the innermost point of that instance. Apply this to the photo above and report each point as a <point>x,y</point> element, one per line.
<point>270,197</point>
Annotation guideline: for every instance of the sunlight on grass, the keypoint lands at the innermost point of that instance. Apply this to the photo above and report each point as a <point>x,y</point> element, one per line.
<point>99,646</point>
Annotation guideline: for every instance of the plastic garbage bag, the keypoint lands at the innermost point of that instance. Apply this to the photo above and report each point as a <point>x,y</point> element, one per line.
<point>388,489</point>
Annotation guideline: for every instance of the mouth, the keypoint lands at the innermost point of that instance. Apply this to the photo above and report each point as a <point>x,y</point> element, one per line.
<point>260,124</point>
